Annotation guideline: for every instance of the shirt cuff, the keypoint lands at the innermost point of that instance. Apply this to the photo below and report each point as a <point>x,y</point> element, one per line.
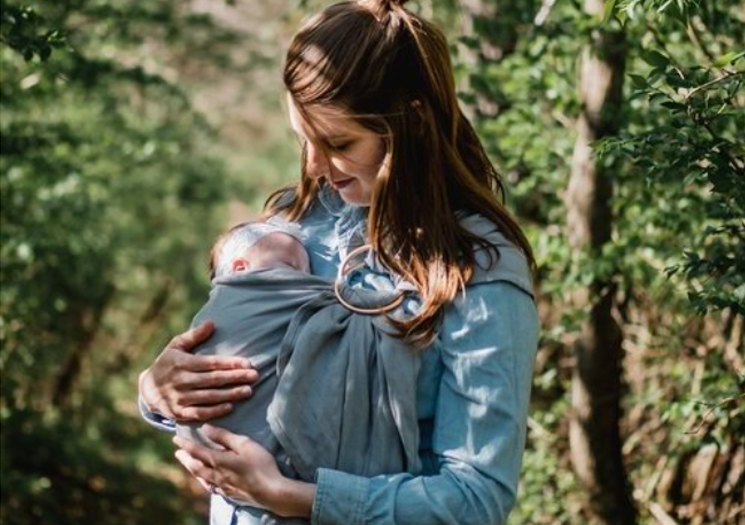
<point>340,498</point>
<point>154,419</point>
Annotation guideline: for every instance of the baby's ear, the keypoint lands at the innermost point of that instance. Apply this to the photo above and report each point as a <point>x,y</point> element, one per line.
<point>240,265</point>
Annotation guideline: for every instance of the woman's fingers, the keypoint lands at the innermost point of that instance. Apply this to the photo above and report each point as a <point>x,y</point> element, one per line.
<point>198,452</point>
<point>197,468</point>
<point>215,396</point>
<point>243,470</point>
<point>216,378</point>
<point>185,387</point>
<point>207,363</point>
<point>193,414</point>
<point>205,484</point>
<point>224,437</point>
<point>191,338</point>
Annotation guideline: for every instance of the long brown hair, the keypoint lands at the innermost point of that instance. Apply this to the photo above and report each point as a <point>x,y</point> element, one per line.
<point>390,71</point>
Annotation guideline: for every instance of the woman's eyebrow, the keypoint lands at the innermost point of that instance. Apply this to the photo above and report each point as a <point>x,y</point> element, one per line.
<point>334,136</point>
<point>324,138</point>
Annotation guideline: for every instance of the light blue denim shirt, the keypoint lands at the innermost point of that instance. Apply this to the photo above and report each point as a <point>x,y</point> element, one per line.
<point>473,395</point>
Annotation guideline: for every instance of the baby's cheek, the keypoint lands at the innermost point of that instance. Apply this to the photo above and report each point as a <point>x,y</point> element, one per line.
<point>304,261</point>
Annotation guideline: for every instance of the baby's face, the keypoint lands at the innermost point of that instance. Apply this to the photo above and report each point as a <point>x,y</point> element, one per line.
<point>275,250</point>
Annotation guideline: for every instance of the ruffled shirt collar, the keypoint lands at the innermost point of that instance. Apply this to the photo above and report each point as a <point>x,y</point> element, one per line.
<point>351,221</point>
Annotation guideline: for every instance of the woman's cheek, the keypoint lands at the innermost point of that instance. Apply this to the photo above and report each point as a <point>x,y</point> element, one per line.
<point>346,168</point>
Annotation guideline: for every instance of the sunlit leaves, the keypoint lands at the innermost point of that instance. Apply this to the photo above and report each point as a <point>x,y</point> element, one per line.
<point>110,194</point>
<point>23,29</point>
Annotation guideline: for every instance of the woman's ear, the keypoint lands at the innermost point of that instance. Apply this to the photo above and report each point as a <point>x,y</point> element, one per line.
<point>240,265</point>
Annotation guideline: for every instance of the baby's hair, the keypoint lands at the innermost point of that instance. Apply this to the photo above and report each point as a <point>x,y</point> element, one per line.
<point>239,239</point>
<point>217,247</point>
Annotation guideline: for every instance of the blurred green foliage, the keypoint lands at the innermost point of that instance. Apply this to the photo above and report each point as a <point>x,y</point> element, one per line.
<point>110,193</point>
<point>678,249</point>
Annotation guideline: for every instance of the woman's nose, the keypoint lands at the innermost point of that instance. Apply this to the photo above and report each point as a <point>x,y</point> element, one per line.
<point>317,163</point>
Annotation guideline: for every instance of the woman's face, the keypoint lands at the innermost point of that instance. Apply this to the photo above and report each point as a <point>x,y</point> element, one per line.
<point>353,155</point>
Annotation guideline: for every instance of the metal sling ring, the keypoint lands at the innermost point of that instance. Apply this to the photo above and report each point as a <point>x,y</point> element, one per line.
<point>343,272</point>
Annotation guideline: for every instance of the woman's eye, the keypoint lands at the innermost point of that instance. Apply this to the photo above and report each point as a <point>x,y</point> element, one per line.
<point>340,147</point>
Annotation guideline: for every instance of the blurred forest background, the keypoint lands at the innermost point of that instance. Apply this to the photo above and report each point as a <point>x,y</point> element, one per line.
<point>133,132</point>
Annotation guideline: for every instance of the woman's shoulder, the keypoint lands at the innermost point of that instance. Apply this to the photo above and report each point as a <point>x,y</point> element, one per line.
<point>509,264</point>
<point>498,303</point>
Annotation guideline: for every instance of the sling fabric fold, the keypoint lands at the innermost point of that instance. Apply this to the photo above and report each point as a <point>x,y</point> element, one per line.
<point>336,388</point>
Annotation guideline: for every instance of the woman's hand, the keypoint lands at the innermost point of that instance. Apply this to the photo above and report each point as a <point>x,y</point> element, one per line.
<point>185,387</point>
<point>246,471</point>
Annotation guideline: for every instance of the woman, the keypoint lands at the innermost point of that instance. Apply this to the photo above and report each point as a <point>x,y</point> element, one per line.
<point>388,159</point>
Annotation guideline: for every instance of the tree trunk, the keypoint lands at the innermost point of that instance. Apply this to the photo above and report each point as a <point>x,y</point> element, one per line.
<point>85,324</point>
<point>594,434</point>
<point>493,28</point>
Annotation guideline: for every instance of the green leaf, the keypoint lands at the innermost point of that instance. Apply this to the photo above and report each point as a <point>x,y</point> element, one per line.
<point>654,58</point>
<point>729,58</point>
<point>725,59</point>
<point>608,10</point>
<point>638,81</point>
<point>670,104</point>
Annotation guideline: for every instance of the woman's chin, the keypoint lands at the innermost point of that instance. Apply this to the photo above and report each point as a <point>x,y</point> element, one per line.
<point>354,198</point>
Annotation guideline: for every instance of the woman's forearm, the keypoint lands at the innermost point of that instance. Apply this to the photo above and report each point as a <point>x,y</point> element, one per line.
<point>293,499</point>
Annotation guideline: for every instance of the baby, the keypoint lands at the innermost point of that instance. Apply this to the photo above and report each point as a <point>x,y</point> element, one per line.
<point>252,246</point>
<point>334,387</point>
<point>247,248</point>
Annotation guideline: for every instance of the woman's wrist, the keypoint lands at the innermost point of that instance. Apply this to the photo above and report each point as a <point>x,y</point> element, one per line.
<point>292,498</point>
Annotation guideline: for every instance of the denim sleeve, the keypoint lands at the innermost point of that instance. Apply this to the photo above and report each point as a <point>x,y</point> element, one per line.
<point>489,340</point>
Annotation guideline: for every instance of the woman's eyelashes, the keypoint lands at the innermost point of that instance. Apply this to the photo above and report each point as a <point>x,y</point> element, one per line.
<point>340,146</point>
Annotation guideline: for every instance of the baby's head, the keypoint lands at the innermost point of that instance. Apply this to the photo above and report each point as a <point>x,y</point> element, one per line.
<point>257,245</point>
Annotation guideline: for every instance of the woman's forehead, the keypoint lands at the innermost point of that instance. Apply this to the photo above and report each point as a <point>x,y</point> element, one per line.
<point>328,121</point>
